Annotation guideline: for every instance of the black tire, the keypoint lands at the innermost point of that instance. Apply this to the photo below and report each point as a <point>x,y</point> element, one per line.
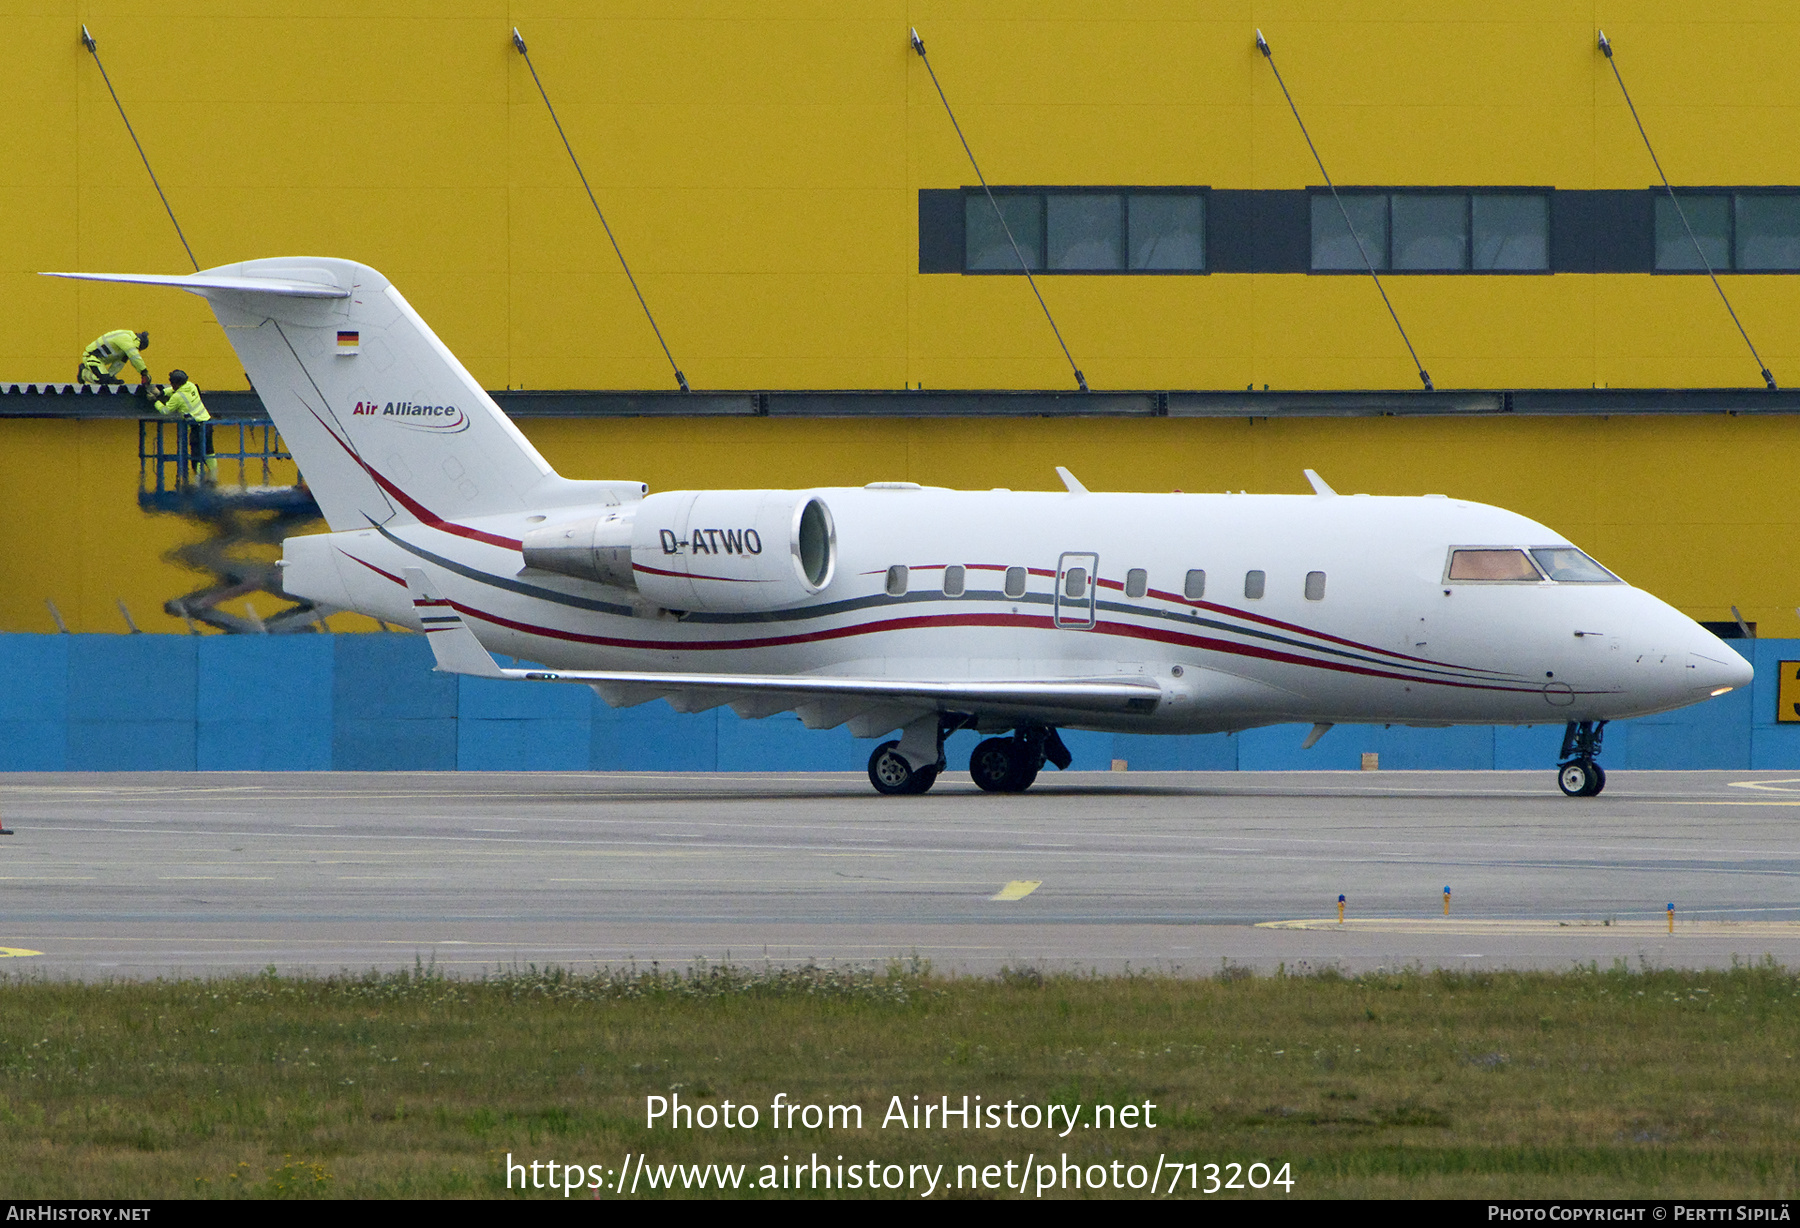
<point>1580,778</point>
<point>890,773</point>
<point>1005,765</point>
<point>992,766</point>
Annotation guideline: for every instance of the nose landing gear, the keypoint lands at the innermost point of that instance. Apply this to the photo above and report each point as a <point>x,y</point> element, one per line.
<point>1580,775</point>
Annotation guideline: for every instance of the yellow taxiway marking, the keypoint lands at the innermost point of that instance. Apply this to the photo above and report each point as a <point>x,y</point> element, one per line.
<point>1526,926</point>
<point>16,952</point>
<point>1788,784</point>
<point>1018,889</point>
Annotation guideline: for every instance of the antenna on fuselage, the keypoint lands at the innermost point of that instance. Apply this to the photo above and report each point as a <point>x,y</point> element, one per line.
<point>518,42</point>
<point>918,45</point>
<point>1262,45</point>
<point>1607,50</point>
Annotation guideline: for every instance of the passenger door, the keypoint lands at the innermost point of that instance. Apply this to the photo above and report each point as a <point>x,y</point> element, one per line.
<point>1075,589</point>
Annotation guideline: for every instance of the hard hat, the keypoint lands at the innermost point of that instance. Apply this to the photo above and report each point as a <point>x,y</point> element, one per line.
<point>177,378</point>
<point>143,341</point>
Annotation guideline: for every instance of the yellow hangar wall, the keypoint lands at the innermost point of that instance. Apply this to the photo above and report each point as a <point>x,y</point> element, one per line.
<point>1695,509</point>
<point>761,166</point>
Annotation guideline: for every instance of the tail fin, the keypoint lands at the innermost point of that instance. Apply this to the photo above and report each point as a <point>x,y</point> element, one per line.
<point>385,424</point>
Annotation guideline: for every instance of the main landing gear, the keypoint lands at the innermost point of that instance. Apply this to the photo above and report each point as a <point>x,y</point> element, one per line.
<point>1579,775</point>
<point>1009,765</point>
<point>999,765</point>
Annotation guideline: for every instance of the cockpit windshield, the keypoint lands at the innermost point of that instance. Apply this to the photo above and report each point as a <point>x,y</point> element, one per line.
<point>1521,565</point>
<point>1491,565</point>
<point>1567,565</point>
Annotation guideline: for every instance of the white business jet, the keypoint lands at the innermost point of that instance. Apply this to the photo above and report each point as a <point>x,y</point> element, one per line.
<point>896,607</point>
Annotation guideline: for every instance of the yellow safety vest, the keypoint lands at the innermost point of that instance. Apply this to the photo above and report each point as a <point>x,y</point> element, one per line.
<point>185,401</point>
<point>115,349</point>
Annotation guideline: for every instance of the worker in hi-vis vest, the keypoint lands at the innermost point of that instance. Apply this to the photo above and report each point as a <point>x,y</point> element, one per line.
<point>101,361</point>
<point>184,401</point>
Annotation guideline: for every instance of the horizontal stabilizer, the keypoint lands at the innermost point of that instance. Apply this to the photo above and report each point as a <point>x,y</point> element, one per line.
<point>452,643</point>
<point>199,283</point>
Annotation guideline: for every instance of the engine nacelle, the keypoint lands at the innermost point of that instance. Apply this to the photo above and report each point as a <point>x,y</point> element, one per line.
<point>729,551</point>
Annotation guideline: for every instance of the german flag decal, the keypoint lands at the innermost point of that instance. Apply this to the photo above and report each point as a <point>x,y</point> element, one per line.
<point>349,341</point>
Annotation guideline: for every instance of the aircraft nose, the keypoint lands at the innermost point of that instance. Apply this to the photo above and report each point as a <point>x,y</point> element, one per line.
<point>1713,666</point>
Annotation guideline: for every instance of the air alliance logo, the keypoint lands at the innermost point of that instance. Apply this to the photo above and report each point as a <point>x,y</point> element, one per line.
<point>438,419</point>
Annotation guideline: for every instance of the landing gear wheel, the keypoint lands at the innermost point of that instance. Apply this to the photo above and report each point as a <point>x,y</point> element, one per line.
<point>991,765</point>
<point>890,773</point>
<point>1005,765</point>
<point>1581,778</point>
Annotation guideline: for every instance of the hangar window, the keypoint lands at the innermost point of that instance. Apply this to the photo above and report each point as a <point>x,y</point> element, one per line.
<point>1086,230</point>
<point>1315,586</point>
<point>1254,583</point>
<point>1741,231</point>
<point>1491,565</point>
<point>953,580</point>
<point>896,580</point>
<point>1431,231</point>
<point>1194,587</point>
<point>1567,565</point>
<point>1015,581</point>
<point>1137,582</point>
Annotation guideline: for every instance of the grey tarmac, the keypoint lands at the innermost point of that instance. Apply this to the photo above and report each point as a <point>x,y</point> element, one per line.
<point>129,875</point>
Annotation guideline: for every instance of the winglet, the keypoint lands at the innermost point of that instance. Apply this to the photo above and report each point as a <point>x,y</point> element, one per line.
<point>1071,482</point>
<point>1318,483</point>
<point>452,643</point>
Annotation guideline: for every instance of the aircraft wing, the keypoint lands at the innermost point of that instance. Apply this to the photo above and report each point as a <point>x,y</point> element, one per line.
<point>822,700</point>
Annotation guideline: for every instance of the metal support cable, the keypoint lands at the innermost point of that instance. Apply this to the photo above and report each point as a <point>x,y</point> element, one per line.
<point>918,45</point>
<point>87,40</point>
<point>1262,45</point>
<point>519,42</point>
<point>1681,213</point>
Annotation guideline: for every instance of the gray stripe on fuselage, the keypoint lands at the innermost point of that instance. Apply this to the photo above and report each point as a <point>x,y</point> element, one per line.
<point>852,604</point>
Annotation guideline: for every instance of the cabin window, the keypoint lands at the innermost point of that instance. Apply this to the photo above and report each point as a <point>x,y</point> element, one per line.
<point>896,581</point>
<point>1015,581</point>
<point>1194,587</point>
<point>1137,582</point>
<point>1491,565</point>
<point>1254,581</point>
<point>1567,565</point>
<point>1075,582</point>
<point>1315,586</point>
<point>953,580</point>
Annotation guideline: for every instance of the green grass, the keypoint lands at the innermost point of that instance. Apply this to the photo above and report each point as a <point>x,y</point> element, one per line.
<point>1587,1083</point>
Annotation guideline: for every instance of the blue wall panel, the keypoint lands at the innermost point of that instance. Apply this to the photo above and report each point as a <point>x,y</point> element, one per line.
<point>389,677</point>
<point>1211,752</point>
<point>1530,747</point>
<point>416,745</point>
<point>653,737</point>
<point>373,702</point>
<point>132,702</point>
<point>484,744</point>
<point>389,709</point>
<point>34,703</point>
<point>264,703</point>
